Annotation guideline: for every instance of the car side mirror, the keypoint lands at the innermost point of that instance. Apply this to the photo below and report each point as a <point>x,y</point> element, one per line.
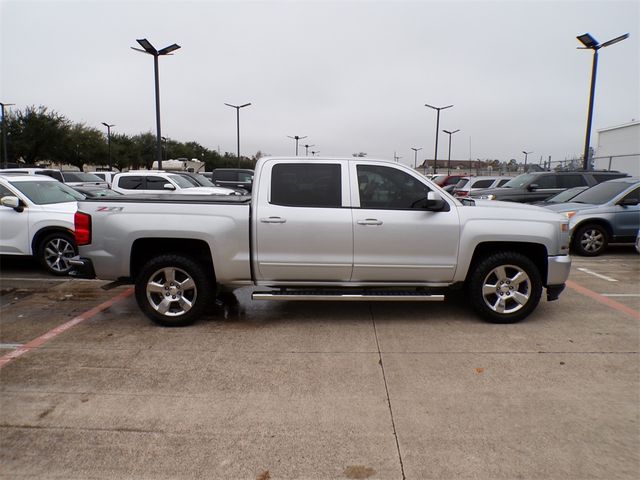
<point>168,186</point>
<point>533,187</point>
<point>12,202</point>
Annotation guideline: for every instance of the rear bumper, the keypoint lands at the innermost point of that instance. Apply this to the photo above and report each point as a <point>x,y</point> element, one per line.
<point>81,268</point>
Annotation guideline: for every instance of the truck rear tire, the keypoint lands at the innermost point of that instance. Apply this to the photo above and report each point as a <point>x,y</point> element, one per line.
<point>505,287</point>
<point>173,290</point>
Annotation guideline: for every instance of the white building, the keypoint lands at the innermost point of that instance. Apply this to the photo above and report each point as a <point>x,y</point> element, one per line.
<point>619,148</point>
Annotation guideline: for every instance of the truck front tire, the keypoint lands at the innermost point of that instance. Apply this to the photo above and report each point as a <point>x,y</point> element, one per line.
<point>173,290</point>
<point>505,287</point>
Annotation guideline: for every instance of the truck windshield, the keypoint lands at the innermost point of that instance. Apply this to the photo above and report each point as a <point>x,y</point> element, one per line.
<point>45,193</point>
<point>81,177</point>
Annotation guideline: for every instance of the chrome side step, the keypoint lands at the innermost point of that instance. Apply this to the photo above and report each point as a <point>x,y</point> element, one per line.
<point>333,296</point>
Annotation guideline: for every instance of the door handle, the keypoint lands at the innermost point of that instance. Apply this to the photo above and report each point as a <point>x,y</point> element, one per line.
<point>370,221</point>
<point>273,220</point>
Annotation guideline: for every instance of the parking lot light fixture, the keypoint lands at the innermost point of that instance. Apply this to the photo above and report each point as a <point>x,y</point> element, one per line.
<point>238,107</point>
<point>450,133</point>
<point>306,149</point>
<point>435,155</point>
<point>297,139</point>
<point>4,133</point>
<point>151,50</point>
<point>526,154</point>
<point>415,160</point>
<point>591,43</point>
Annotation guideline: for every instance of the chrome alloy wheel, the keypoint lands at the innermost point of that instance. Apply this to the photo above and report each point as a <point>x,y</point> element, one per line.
<point>506,289</point>
<point>592,240</point>
<point>57,253</point>
<point>171,291</point>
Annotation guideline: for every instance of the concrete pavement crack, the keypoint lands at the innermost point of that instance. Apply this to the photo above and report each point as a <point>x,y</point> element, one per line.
<point>386,388</point>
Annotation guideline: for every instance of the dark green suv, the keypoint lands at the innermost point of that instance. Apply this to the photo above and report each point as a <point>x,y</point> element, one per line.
<point>537,186</point>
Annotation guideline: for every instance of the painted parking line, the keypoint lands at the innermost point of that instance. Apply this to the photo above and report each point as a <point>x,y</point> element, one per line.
<point>42,339</point>
<point>599,275</point>
<point>620,294</point>
<point>604,300</point>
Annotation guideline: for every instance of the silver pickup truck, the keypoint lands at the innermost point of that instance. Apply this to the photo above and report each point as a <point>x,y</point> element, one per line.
<point>325,229</point>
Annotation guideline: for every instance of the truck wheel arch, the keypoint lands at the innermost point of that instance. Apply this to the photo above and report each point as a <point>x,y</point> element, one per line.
<point>536,252</point>
<point>144,249</point>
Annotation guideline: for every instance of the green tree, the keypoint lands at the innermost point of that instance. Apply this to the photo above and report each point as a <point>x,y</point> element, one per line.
<point>36,134</point>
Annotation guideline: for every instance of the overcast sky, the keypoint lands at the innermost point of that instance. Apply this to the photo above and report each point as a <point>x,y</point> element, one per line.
<point>352,76</point>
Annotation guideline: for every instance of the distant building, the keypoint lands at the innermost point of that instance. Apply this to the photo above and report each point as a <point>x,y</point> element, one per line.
<point>181,164</point>
<point>619,148</point>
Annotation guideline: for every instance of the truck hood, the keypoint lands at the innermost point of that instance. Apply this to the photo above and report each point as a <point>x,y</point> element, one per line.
<point>497,210</point>
<point>496,191</point>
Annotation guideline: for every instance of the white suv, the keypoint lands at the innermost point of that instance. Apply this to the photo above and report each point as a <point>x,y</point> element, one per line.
<point>146,181</point>
<point>36,214</point>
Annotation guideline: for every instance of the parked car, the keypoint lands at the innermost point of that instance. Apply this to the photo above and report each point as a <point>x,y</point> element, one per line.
<point>561,197</point>
<point>538,186</point>
<point>106,177</point>
<point>468,184</point>
<point>605,213</point>
<point>199,180</point>
<point>149,181</point>
<point>232,177</point>
<point>70,177</point>
<point>443,180</point>
<point>36,215</point>
<point>94,191</point>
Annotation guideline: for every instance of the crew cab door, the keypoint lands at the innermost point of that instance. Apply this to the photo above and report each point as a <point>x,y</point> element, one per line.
<point>394,239</point>
<point>303,223</point>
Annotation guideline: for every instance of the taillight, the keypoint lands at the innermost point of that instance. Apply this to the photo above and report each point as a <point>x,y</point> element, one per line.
<point>82,227</point>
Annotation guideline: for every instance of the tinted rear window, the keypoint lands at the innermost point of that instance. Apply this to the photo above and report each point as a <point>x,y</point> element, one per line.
<point>601,193</point>
<point>225,176</point>
<point>482,183</point>
<point>130,183</point>
<point>305,185</point>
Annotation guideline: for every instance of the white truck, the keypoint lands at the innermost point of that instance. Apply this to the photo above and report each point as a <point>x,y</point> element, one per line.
<point>325,229</point>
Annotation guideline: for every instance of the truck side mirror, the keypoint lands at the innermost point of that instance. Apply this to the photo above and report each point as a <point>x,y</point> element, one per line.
<point>168,186</point>
<point>533,187</point>
<point>433,202</point>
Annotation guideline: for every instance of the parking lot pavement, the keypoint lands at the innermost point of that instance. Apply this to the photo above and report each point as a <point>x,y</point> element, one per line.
<point>325,390</point>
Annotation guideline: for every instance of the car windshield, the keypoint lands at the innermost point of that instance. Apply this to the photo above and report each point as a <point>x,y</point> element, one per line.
<point>204,181</point>
<point>42,192</point>
<point>461,183</point>
<point>520,181</point>
<point>601,193</point>
<point>181,181</point>
<point>100,192</point>
<point>81,177</point>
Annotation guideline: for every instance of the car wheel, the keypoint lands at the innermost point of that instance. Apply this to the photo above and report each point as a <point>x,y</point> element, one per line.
<point>54,252</point>
<point>173,290</point>
<point>505,287</point>
<point>590,240</point>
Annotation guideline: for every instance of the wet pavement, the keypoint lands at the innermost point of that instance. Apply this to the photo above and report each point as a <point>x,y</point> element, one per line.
<point>319,390</point>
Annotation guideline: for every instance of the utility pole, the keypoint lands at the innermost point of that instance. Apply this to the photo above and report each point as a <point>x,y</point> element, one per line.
<point>415,160</point>
<point>4,133</point>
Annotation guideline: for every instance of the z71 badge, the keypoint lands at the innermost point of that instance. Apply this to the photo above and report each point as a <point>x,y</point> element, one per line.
<point>109,209</point>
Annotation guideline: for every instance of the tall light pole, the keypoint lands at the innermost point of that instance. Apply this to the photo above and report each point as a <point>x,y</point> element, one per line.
<point>591,43</point>
<point>525,159</point>
<point>151,50</point>
<point>4,134</point>
<point>297,139</point>
<point>435,155</point>
<point>238,107</point>
<point>109,140</point>
<point>306,149</point>
<point>449,161</point>
<point>415,160</point>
